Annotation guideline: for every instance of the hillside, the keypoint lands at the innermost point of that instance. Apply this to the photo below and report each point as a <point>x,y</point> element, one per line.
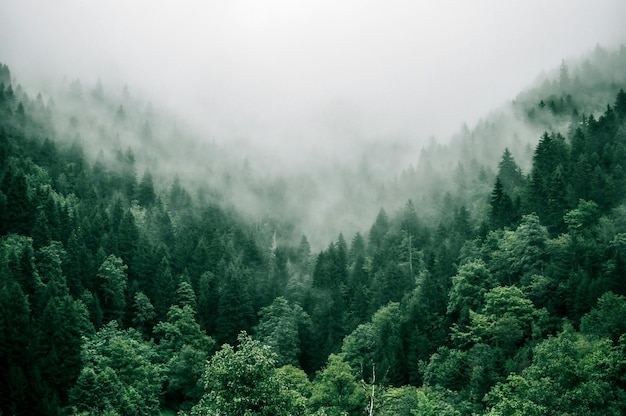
<point>486,278</point>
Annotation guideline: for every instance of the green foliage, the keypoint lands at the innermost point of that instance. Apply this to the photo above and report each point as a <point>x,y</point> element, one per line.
<point>183,348</point>
<point>185,295</point>
<point>378,345</point>
<point>235,309</point>
<point>505,321</point>
<point>143,319</point>
<point>412,401</point>
<point>570,374</point>
<point>335,390</point>
<point>520,254</point>
<point>113,278</point>
<point>444,305</point>
<point>245,382</point>
<point>15,333</point>
<point>282,326</point>
<point>448,368</point>
<point>510,174</point>
<point>607,319</point>
<point>146,195</point>
<point>181,328</point>
<point>296,380</point>
<point>469,286</point>
<point>503,213</point>
<point>120,374</point>
<point>64,322</point>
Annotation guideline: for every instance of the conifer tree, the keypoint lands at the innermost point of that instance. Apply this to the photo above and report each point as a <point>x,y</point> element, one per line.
<point>114,281</point>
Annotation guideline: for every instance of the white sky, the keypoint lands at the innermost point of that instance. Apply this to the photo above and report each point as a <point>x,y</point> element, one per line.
<point>281,70</point>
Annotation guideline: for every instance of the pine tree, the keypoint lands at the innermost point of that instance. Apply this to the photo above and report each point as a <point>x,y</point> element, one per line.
<point>235,309</point>
<point>502,211</point>
<point>113,278</point>
<point>510,174</point>
<point>145,192</point>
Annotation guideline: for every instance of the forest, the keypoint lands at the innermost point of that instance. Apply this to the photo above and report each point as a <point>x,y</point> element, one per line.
<point>491,279</point>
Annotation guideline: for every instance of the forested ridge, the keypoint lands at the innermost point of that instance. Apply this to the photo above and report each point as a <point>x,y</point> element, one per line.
<point>498,290</point>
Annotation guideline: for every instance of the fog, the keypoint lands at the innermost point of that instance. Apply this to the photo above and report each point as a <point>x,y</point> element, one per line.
<point>309,73</point>
<point>328,102</point>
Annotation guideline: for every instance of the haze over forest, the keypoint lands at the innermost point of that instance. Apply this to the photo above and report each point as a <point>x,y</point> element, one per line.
<point>307,88</point>
<point>307,208</point>
<point>292,73</point>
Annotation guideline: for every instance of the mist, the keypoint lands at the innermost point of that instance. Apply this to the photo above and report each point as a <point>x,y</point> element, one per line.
<point>309,73</point>
<point>337,97</point>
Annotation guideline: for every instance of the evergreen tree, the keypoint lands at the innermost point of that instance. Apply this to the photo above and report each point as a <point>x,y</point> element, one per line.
<point>235,311</point>
<point>510,174</point>
<point>282,326</point>
<point>120,375</point>
<point>17,395</point>
<point>245,382</point>
<point>335,390</point>
<point>146,195</point>
<point>18,211</point>
<point>63,323</point>
<point>144,314</point>
<point>378,231</point>
<point>114,281</point>
<point>502,213</point>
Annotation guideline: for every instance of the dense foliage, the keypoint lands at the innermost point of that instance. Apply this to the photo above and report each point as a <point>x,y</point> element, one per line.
<point>123,294</point>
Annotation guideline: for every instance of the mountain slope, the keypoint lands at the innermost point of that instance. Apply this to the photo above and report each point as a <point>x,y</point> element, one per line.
<point>120,277</point>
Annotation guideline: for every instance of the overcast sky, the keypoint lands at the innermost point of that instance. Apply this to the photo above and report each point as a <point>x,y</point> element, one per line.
<point>297,70</point>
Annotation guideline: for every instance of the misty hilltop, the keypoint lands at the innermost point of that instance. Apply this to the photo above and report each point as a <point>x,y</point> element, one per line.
<point>149,265</point>
<point>338,185</point>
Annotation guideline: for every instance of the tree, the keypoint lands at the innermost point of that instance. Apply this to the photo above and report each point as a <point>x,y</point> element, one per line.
<point>281,326</point>
<point>505,321</point>
<point>244,382</point>
<point>146,195</point>
<point>16,333</point>
<point>510,174</point>
<point>144,314</point>
<point>389,354</point>
<point>620,103</point>
<point>359,347</point>
<point>336,391</point>
<point>547,181</point>
<point>304,252</point>
<point>178,196</point>
<point>235,311</point>
<point>113,278</point>
<point>448,368</point>
<point>18,211</point>
<point>18,256</point>
<point>184,348</point>
<point>120,374</point>
<point>570,374</point>
<point>207,301</point>
<point>469,286</point>
<point>298,384</point>
<point>521,253</point>
<point>181,328</point>
<point>411,401</point>
<point>127,172</point>
<point>164,289</point>
<point>379,230</point>
<point>185,295</point>
<point>606,320</point>
<point>582,228</point>
<point>502,211</point>
<point>127,237</point>
<point>62,325</point>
